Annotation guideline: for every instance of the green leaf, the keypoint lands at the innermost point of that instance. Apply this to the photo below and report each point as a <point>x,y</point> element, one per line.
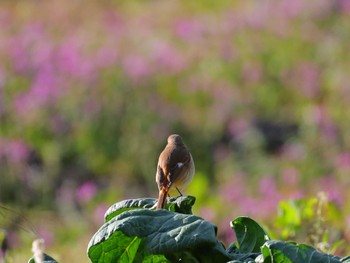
<point>119,248</point>
<point>345,260</point>
<point>47,259</point>
<point>290,252</point>
<point>240,256</point>
<point>155,259</point>
<point>139,233</point>
<point>181,204</point>
<point>250,235</point>
<point>129,204</point>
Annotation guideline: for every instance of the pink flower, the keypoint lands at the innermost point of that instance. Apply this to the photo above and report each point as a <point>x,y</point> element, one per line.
<point>309,75</point>
<point>71,60</point>
<point>2,100</point>
<point>15,151</point>
<point>136,66</point>
<point>267,187</point>
<point>343,160</point>
<point>234,190</point>
<point>18,151</point>
<point>167,58</point>
<point>344,6</point>
<point>291,8</point>
<point>105,57</point>
<point>188,29</point>
<point>290,177</point>
<point>44,89</point>
<point>333,189</point>
<point>252,73</point>
<point>2,79</point>
<point>86,191</point>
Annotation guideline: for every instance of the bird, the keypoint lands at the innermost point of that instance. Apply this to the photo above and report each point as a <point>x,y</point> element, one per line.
<point>175,168</point>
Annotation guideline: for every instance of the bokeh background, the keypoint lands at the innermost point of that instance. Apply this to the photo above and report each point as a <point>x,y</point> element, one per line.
<point>90,90</point>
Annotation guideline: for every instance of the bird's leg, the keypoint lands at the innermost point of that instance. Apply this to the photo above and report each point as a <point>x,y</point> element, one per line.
<point>178,190</point>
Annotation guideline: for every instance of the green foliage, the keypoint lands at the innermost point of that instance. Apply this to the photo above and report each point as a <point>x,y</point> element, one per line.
<point>134,232</point>
<point>93,96</point>
<point>292,213</point>
<point>290,252</point>
<point>181,204</point>
<point>250,235</point>
<point>141,232</point>
<point>309,219</point>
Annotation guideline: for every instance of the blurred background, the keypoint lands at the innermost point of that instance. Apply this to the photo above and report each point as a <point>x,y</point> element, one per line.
<point>90,90</point>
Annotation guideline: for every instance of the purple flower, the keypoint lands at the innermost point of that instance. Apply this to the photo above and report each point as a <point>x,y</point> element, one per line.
<point>344,6</point>
<point>2,79</point>
<point>239,128</point>
<point>325,122</point>
<point>5,18</point>
<point>257,17</point>
<point>44,89</point>
<point>290,177</point>
<point>86,191</point>
<point>267,186</point>
<point>18,151</point>
<point>343,160</point>
<point>290,181</point>
<point>19,55</point>
<point>167,58</point>
<point>333,189</point>
<point>252,73</point>
<point>2,99</point>
<point>234,190</point>
<point>308,79</point>
<point>188,29</point>
<point>105,57</point>
<point>23,47</point>
<point>136,66</point>
<point>291,8</point>
<point>71,61</point>
<point>15,151</point>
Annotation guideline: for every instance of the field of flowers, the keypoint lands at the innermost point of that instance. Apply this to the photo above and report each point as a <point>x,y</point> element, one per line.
<point>90,90</point>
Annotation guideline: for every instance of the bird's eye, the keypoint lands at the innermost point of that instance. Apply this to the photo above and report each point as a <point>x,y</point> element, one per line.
<point>179,165</point>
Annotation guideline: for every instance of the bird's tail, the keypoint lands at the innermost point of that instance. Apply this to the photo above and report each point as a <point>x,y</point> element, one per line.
<point>163,193</point>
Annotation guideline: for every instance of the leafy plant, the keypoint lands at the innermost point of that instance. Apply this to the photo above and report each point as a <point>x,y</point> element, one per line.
<point>135,232</point>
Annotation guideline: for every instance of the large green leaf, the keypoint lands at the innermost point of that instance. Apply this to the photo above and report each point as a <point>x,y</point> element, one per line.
<point>119,248</point>
<point>139,233</point>
<point>181,204</point>
<point>241,256</point>
<point>250,235</point>
<point>290,252</point>
<point>129,204</point>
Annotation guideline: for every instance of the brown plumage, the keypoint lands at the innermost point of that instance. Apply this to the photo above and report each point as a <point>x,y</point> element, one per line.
<point>175,168</point>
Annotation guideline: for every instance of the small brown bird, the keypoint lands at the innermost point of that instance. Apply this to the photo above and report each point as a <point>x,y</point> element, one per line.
<point>175,168</point>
